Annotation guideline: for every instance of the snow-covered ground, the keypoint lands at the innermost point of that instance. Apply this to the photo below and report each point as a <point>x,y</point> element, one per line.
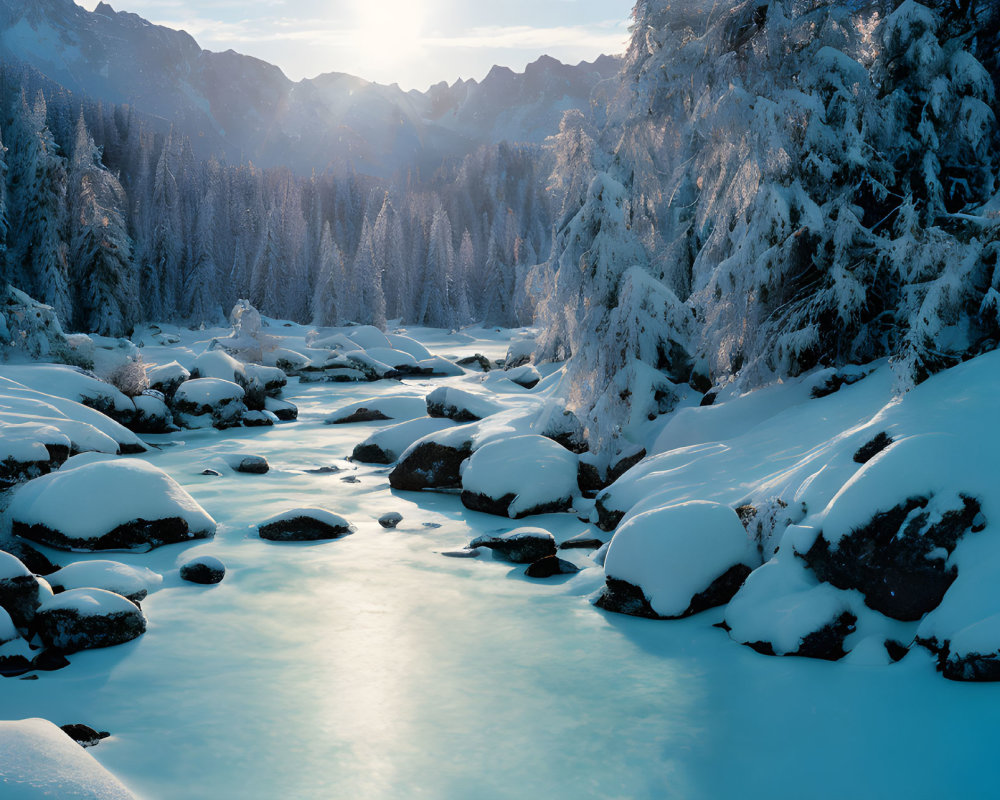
<point>371,666</point>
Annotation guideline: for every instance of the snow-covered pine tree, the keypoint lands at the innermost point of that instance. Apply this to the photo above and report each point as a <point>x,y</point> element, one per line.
<point>329,282</point>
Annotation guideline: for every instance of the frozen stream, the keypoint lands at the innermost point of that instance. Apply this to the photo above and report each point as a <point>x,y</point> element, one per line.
<point>374,667</point>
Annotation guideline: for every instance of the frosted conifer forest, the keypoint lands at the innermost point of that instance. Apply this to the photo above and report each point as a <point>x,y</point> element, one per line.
<point>621,429</point>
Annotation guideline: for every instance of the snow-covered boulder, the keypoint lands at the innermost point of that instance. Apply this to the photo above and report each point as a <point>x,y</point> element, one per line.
<point>288,361</point>
<point>84,735</point>
<point>304,525</point>
<point>131,582</point>
<point>376,409</point>
<point>221,365</point>
<point>247,464</point>
<point>368,337</point>
<point>38,760</point>
<point>209,401</point>
<point>438,367</point>
<point>520,546</point>
<point>525,375</point>
<point>385,446</point>
<point>476,363</point>
<point>890,530</point>
<point>282,409</point>
<point>519,352</point>
<point>29,556</point>
<point>782,610</point>
<point>676,561</point>
<point>152,415</point>
<point>259,419</point>
<point>86,619</point>
<point>550,566</point>
<point>166,378</point>
<point>433,461</point>
<point>271,378</point>
<point>460,405</point>
<point>19,590</point>
<point>519,476</point>
<point>204,570</point>
<point>107,505</point>
<point>390,520</point>
<point>30,449</point>
<point>29,328</point>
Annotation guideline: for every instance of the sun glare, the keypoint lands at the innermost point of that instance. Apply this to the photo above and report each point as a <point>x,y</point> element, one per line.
<point>393,28</point>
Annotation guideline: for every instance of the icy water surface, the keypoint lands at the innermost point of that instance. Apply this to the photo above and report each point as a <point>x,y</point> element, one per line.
<point>374,667</point>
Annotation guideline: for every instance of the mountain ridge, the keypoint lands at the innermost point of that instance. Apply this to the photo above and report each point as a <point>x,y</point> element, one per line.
<point>240,108</point>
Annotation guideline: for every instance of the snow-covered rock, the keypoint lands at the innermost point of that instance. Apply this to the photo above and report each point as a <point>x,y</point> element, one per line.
<point>167,377</point>
<point>390,520</point>
<point>221,365</point>
<point>272,379</point>
<point>525,375</point>
<point>107,505</point>
<point>30,449</point>
<point>304,525</point>
<point>282,409</point>
<point>550,566</point>
<point>782,610</point>
<point>434,461</point>
<point>519,352</point>
<point>408,345</point>
<point>677,561</point>
<point>131,582</point>
<point>209,401</point>
<point>86,619</point>
<point>520,546</point>
<point>152,415</point>
<point>438,367</point>
<point>386,445</point>
<point>248,464</point>
<point>520,475</point>
<point>205,570</point>
<point>460,405</point>
<point>38,760</point>
<point>375,409</point>
<point>476,363</point>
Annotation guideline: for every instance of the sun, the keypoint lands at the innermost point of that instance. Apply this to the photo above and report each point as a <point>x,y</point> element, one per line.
<point>392,28</point>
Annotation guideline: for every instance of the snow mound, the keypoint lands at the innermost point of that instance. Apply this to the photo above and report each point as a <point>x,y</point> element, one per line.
<point>401,407</point>
<point>214,401</point>
<point>460,405</point>
<point>681,559</point>
<point>38,760</point>
<point>386,445</point>
<point>219,364</point>
<point>167,377</point>
<point>519,546</point>
<point>520,475</point>
<point>86,619</point>
<point>131,582</point>
<point>304,525</point>
<point>72,383</point>
<point>108,504</point>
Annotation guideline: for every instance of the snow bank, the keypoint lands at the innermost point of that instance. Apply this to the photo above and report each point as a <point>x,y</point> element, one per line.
<point>38,760</point>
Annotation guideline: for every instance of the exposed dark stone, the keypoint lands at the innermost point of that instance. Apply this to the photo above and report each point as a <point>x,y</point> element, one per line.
<point>869,450</point>
<point>283,410</point>
<point>14,666</point>
<point>204,572</point>
<point>468,552</point>
<point>34,560</point>
<point>974,667</point>
<point>430,466</point>
<point>361,415</point>
<point>68,631</point>
<point>139,533</point>
<point>582,542</point>
<point>257,419</point>
<point>589,479</point>
<point>708,399</point>
<point>526,383</point>
<point>624,464</point>
<point>834,384</point>
<point>896,650</point>
<point>747,515</point>
<point>211,473</point>
<point>828,642</point>
<point>450,412</point>
<point>351,479</point>
<point>524,548</point>
<point>390,520</point>
<point>372,454</point>
<point>476,501</point>
<point>607,518</point>
<point>625,598</point>
<point>19,597</point>
<point>84,735</point>
<point>550,566</point>
<point>478,360</point>
<point>332,470</point>
<point>719,591</point>
<point>764,648</point>
<point>49,661</point>
<point>301,529</point>
<point>131,449</point>
<point>889,563</point>
<point>252,465</point>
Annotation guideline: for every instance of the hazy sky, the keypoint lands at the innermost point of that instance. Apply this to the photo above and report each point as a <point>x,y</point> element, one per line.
<point>411,42</point>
